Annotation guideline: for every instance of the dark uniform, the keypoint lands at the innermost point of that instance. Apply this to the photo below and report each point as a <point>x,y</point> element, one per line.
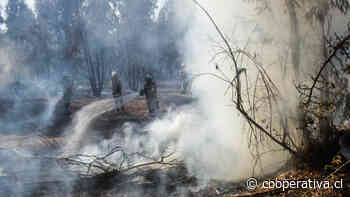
<point>117,90</point>
<point>67,92</point>
<point>62,108</point>
<point>150,91</point>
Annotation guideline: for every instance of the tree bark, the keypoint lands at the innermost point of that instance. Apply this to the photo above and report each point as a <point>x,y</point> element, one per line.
<point>295,40</point>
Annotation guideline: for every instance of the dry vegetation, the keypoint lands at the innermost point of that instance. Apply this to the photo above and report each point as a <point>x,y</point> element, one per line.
<point>314,145</point>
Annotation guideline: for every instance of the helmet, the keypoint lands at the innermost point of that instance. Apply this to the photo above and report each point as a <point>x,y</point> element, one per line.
<point>114,73</point>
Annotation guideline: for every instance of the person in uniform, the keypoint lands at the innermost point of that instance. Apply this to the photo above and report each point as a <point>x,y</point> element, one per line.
<point>150,92</point>
<point>67,92</point>
<point>117,91</point>
<point>62,108</point>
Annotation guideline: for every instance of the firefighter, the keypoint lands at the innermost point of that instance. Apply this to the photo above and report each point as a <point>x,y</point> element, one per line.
<point>150,92</point>
<point>117,91</point>
<point>67,92</point>
<point>62,108</point>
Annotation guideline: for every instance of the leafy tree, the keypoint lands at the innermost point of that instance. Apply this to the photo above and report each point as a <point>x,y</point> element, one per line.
<point>20,23</point>
<point>170,34</point>
<point>137,39</point>
<point>20,19</point>
<point>50,35</point>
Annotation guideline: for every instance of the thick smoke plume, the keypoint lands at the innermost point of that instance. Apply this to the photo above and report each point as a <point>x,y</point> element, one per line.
<point>210,135</point>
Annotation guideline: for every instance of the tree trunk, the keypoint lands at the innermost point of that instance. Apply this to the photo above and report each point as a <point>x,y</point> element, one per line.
<point>295,41</point>
<point>325,130</point>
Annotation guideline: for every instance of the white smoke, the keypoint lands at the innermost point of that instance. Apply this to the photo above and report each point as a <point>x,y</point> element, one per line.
<point>3,3</point>
<point>160,4</point>
<point>5,68</point>
<point>214,144</point>
<point>30,4</point>
<point>209,135</point>
<point>84,117</point>
<point>210,147</point>
<point>82,120</point>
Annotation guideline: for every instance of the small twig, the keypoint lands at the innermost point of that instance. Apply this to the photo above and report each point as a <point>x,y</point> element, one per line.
<point>338,169</point>
<point>229,48</point>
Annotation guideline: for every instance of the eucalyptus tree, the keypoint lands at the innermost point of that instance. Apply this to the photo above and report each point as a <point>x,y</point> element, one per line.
<point>98,33</point>
<point>318,14</point>
<point>20,22</point>
<point>137,38</point>
<point>171,34</point>
<point>298,11</point>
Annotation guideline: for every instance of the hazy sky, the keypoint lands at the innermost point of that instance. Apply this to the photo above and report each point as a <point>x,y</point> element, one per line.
<point>30,3</point>
<point>160,4</point>
<point>3,2</point>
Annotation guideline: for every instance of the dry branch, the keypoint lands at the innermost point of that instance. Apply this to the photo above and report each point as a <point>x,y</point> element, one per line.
<point>270,88</point>
<point>338,47</point>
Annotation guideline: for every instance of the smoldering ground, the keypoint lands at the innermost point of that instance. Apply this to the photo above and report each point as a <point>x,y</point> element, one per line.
<point>27,106</point>
<point>209,135</point>
<point>265,35</point>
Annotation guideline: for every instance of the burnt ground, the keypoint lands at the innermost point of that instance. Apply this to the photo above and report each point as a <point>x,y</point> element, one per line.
<point>40,144</point>
<point>33,135</point>
<point>113,183</point>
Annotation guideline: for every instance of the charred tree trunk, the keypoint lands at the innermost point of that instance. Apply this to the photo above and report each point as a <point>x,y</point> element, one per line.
<point>96,68</point>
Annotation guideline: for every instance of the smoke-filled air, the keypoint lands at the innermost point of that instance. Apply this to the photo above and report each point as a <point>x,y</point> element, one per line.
<point>174,98</point>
